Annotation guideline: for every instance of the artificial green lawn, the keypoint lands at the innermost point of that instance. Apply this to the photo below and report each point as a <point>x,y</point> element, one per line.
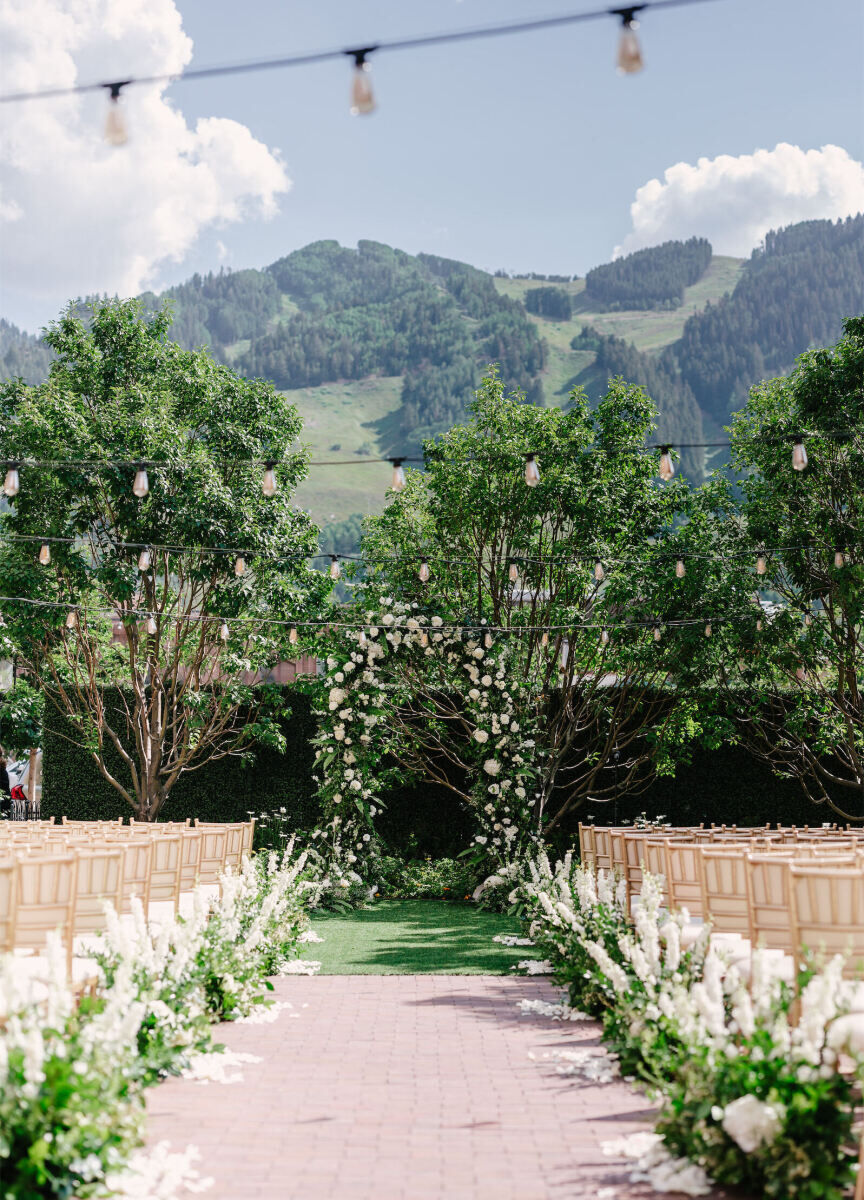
<point>415,937</point>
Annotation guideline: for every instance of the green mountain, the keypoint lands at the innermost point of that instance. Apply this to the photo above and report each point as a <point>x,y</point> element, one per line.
<point>381,348</point>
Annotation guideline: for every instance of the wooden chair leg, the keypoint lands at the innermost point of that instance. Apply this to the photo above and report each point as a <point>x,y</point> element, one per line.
<point>859,1182</point>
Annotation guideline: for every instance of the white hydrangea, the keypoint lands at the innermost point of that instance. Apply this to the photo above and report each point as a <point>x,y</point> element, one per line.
<point>481,736</point>
<point>751,1122</point>
<point>491,766</point>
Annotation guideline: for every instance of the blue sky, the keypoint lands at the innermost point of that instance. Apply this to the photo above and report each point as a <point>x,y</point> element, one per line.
<point>524,153</point>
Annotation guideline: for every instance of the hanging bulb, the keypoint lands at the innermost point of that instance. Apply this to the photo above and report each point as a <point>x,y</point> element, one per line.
<point>708,629</point>
<point>667,467</point>
<point>800,673</point>
<point>629,60</point>
<point>117,627</point>
<point>423,573</point>
<point>45,554</point>
<point>116,133</point>
<point>544,641</point>
<point>656,633</point>
<point>514,573</point>
<point>397,483</point>
<point>604,637</point>
<point>151,624</point>
<point>532,471</point>
<point>761,565</point>
<point>424,639</point>
<point>141,486</point>
<point>335,570</point>
<point>71,619</point>
<point>361,638</point>
<point>144,560</point>
<point>362,99</point>
<point>680,569</point>
<point>487,641</point>
<point>268,481</point>
<point>799,455</point>
<point>292,636</point>
<point>759,625</point>
<point>599,573</point>
<point>12,482</point>
<point>224,631</point>
<point>839,558</point>
<point>239,565</point>
<point>742,665</point>
<point>808,620</point>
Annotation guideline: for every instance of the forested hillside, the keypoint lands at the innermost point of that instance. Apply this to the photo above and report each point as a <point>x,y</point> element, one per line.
<point>382,348</point>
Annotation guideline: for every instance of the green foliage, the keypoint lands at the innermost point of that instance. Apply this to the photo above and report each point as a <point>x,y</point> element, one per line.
<point>549,302</point>
<point>216,310</point>
<point>794,293</point>
<point>22,710</point>
<point>426,879</point>
<point>653,278</point>
<point>22,355</point>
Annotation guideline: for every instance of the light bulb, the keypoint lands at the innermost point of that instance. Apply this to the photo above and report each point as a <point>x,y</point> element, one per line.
<point>292,636</point>
<point>667,467</point>
<point>45,554</point>
<point>799,674</point>
<point>656,633</point>
<point>708,629</point>
<point>141,486</point>
<point>544,641</point>
<point>424,639</point>
<point>761,565</point>
<point>362,99</point>
<point>239,565</point>
<point>361,638</point>
<point>12,482</point>
<point>599,573</point>
<point>397,483</point>
<point>116,133</point>
<point>487,641</point>
<point>839,558</point>
<point>144,560</point>
<point>268,481</point>
<point>117,627</point>
<point>71,619</point>
<point>335,570</point>
<point>759,625</point>
<point>808,620</point>
<point>423,573</point>
<point>629,60</point>
<point>151,625</point>
<point>680,569</point>
<point>224,631</point>
<point>532,471</point>
<point>514,573</point>
<point>799,455</point>
<point>604,637</point>
<point>742,665</point>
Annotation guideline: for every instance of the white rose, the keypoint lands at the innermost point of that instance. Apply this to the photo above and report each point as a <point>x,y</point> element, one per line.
<point>437,622</point>
<point>491,766</point>
<point>520,792</point>
<point>752,1123</point>
<point>486,680</point>
<point>337,695</point>
<point>480,840</point>
<point>474,694</point>
<point>478,653</point>
<point>481,736</point>
<point>355,785</point>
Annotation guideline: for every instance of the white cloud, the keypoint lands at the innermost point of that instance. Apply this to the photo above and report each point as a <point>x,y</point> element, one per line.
<point>734,201</point>
<point>79,216</point>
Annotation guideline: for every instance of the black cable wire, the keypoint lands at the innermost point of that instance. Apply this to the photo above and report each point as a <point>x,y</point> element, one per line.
<point>298,60</point>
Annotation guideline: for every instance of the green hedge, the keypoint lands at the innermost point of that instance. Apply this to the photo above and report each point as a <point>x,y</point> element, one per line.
<point>723,786</point>
<point>225,790</point>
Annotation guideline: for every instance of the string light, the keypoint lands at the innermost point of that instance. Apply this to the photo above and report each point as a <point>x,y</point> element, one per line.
<point>667,467</point>
<point>268,481</point>
<point>116,133</point>
<point>487,641</point>
<point>141,485</point>
<point>708,629</point>
<point>361,638</point>
<point>151,625</point>
<point>144,560</point>
<point>335,570</point>
<point>761,565</point>
<point>12,482</point>
<point>224,631</point>
<point>680,569</point>
<point>362,99</point>
<point>398,481</point>
<point>514,572</point>
<point>71,619</point>
<point>239,565</point>
<point>629,58</point>
<point>808,620</point>
<point>799,454</point>
<point>544,640</point>
<point>599,573</point>
<point>45,554</point>
<point>424,639</point>
<point>423,573</point>
<point>604,637</point>
<point>759,625</point>
<point>657,633</point>
<point>800,673</point>
<point>292,636</point>
<point>839,558</point>
<point>532,471</point>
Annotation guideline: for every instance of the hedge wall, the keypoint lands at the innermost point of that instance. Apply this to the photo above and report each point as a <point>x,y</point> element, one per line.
<point>725,785</point>
<point>225,790</point>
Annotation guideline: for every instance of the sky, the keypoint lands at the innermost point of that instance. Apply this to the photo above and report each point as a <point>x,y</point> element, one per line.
<point>528,153</point>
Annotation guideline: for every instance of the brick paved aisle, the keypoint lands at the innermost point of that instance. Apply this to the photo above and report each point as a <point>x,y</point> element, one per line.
<point>403,1087</point>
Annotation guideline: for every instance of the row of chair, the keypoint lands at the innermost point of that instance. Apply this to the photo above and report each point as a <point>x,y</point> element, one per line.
<point>60,878</point>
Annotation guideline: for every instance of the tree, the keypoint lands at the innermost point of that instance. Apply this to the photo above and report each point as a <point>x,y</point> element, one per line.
<point>793,688</point>
<point>154,615</point>
<point>573,641</point>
